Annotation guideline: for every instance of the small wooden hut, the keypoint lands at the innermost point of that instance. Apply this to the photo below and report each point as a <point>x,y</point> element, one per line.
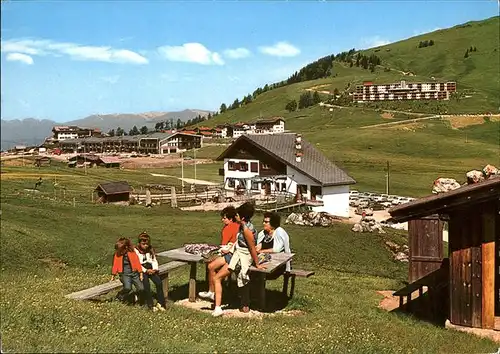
<point>473,278</point>
<point>109,161</point>
<point>41,161</point>
<point>113,192</point>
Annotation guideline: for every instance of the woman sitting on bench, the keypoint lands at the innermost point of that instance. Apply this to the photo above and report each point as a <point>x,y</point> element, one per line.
<point>273,239</point>
<point>243,257</point>
<point>229,233</point>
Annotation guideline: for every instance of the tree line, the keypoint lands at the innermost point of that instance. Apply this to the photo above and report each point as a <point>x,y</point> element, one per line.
<point>321,68</point>
<point>159,126</point>
<point>423,44</point>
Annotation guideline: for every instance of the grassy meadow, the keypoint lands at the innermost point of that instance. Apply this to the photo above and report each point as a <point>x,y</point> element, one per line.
<point>50,248</point>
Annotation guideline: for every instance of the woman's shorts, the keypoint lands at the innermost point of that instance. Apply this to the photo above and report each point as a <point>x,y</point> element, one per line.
<point>228,257</point>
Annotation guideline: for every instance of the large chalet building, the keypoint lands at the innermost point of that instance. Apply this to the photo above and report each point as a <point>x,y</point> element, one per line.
<point>64,132</point>
<point>404,91</point>
<point>287,164</point>
<point>154,143</point>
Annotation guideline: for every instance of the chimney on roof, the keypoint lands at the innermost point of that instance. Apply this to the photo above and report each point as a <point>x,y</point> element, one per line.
<point>298,147</point>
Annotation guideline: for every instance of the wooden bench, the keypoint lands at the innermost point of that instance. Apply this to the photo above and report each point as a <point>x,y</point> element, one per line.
<point>102,289</point>
<point>292,275</point>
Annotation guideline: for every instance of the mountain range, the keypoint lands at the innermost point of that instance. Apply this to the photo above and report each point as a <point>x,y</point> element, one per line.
<point>32,131</point>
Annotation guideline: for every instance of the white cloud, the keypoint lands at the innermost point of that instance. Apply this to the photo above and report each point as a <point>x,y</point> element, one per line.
<point>191,53</point>
<point>375,41</point>
<point>281,49</point>
<point>237,53</point>
<point>73,50</point>
<point>23,58</point>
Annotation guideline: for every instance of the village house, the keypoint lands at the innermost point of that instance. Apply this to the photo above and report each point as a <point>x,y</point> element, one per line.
<point>285,163</point>
<point>63,132</point>
<point>155,143</point>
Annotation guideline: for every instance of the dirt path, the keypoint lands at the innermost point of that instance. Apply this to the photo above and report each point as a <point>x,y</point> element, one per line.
<point>188,180</point>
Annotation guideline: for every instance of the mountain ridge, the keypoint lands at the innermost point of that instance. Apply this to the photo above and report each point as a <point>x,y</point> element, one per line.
<point>32,131</point>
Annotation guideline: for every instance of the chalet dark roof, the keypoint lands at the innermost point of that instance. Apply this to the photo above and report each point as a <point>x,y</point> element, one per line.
<point>314,164</point>
<point>269,120</point>
<point>464,197</point>
<point>110,188</point>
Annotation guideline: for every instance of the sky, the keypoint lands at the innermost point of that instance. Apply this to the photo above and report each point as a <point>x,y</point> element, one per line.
<point>65,60</point>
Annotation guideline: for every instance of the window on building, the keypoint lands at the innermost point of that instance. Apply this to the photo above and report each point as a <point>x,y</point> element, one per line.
<point>231,166</point>
<point>255,186</point>
<point>283,186</point>
<point>265,166</point>
<point>243,166</point>
<point>316,191</point>
<point>230,183</point>
<point>254,167</point>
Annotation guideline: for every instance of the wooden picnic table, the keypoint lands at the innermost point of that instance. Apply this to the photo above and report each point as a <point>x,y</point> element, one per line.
<point>275,264</point>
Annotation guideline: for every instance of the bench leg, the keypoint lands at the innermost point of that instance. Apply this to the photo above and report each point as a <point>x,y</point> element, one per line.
<point>165,285</point>
<point>292,286</point>
<point>286,276</point>
<point>192,282</point>
<point>401,301</point>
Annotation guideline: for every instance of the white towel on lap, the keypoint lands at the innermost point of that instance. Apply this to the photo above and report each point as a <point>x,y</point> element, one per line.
<point>243,257</point>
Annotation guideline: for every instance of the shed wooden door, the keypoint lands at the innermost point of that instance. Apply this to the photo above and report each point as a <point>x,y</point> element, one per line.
<point>466,288</point>
<point>426,246</point>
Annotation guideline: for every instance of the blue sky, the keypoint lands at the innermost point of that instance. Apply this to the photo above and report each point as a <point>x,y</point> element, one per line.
<point>64,60</point>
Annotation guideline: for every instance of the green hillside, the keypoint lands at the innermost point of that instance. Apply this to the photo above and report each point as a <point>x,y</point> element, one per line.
<point>419,152</point>
<point>51,247</point>
<point>478,73</point>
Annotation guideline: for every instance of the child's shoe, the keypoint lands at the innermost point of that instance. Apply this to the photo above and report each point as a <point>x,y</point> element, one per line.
<point>217,311</point>
<point>159,307</point>
<point>155,309</point>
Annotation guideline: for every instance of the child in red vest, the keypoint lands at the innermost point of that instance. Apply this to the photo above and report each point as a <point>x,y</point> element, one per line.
<point>127,265</point>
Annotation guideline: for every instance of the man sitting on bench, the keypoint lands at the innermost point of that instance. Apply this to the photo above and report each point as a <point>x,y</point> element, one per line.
<point>273,239</point>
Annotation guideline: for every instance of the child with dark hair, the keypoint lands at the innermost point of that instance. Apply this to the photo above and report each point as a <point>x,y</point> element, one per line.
<point>149,264</point>
<point>229,233</point>
<point>127,265</point>
<point>244,255</point>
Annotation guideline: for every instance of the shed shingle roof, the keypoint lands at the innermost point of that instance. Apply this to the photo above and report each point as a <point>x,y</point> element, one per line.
<point>313,164</point>
<point>466,196</point>
<point>114,187</point>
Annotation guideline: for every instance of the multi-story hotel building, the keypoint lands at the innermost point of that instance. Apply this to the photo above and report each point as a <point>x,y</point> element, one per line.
<point>404,91</point>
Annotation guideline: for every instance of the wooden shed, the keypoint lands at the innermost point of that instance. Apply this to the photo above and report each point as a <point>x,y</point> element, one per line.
<point>42,161</point>
<point>113,192</point>
<point>473,278</point>
<point>109,161</point>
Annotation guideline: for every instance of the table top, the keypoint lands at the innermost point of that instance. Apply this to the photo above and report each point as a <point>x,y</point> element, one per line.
<point>277,259</point>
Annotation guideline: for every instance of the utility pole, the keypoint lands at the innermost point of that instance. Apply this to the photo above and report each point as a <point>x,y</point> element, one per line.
<point>182,172</point>
<point>194,154</point>
<point>387,178</point>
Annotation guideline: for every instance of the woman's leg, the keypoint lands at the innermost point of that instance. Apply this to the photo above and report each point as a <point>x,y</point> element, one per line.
<point>219,276</point>
<point>212,269</point>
